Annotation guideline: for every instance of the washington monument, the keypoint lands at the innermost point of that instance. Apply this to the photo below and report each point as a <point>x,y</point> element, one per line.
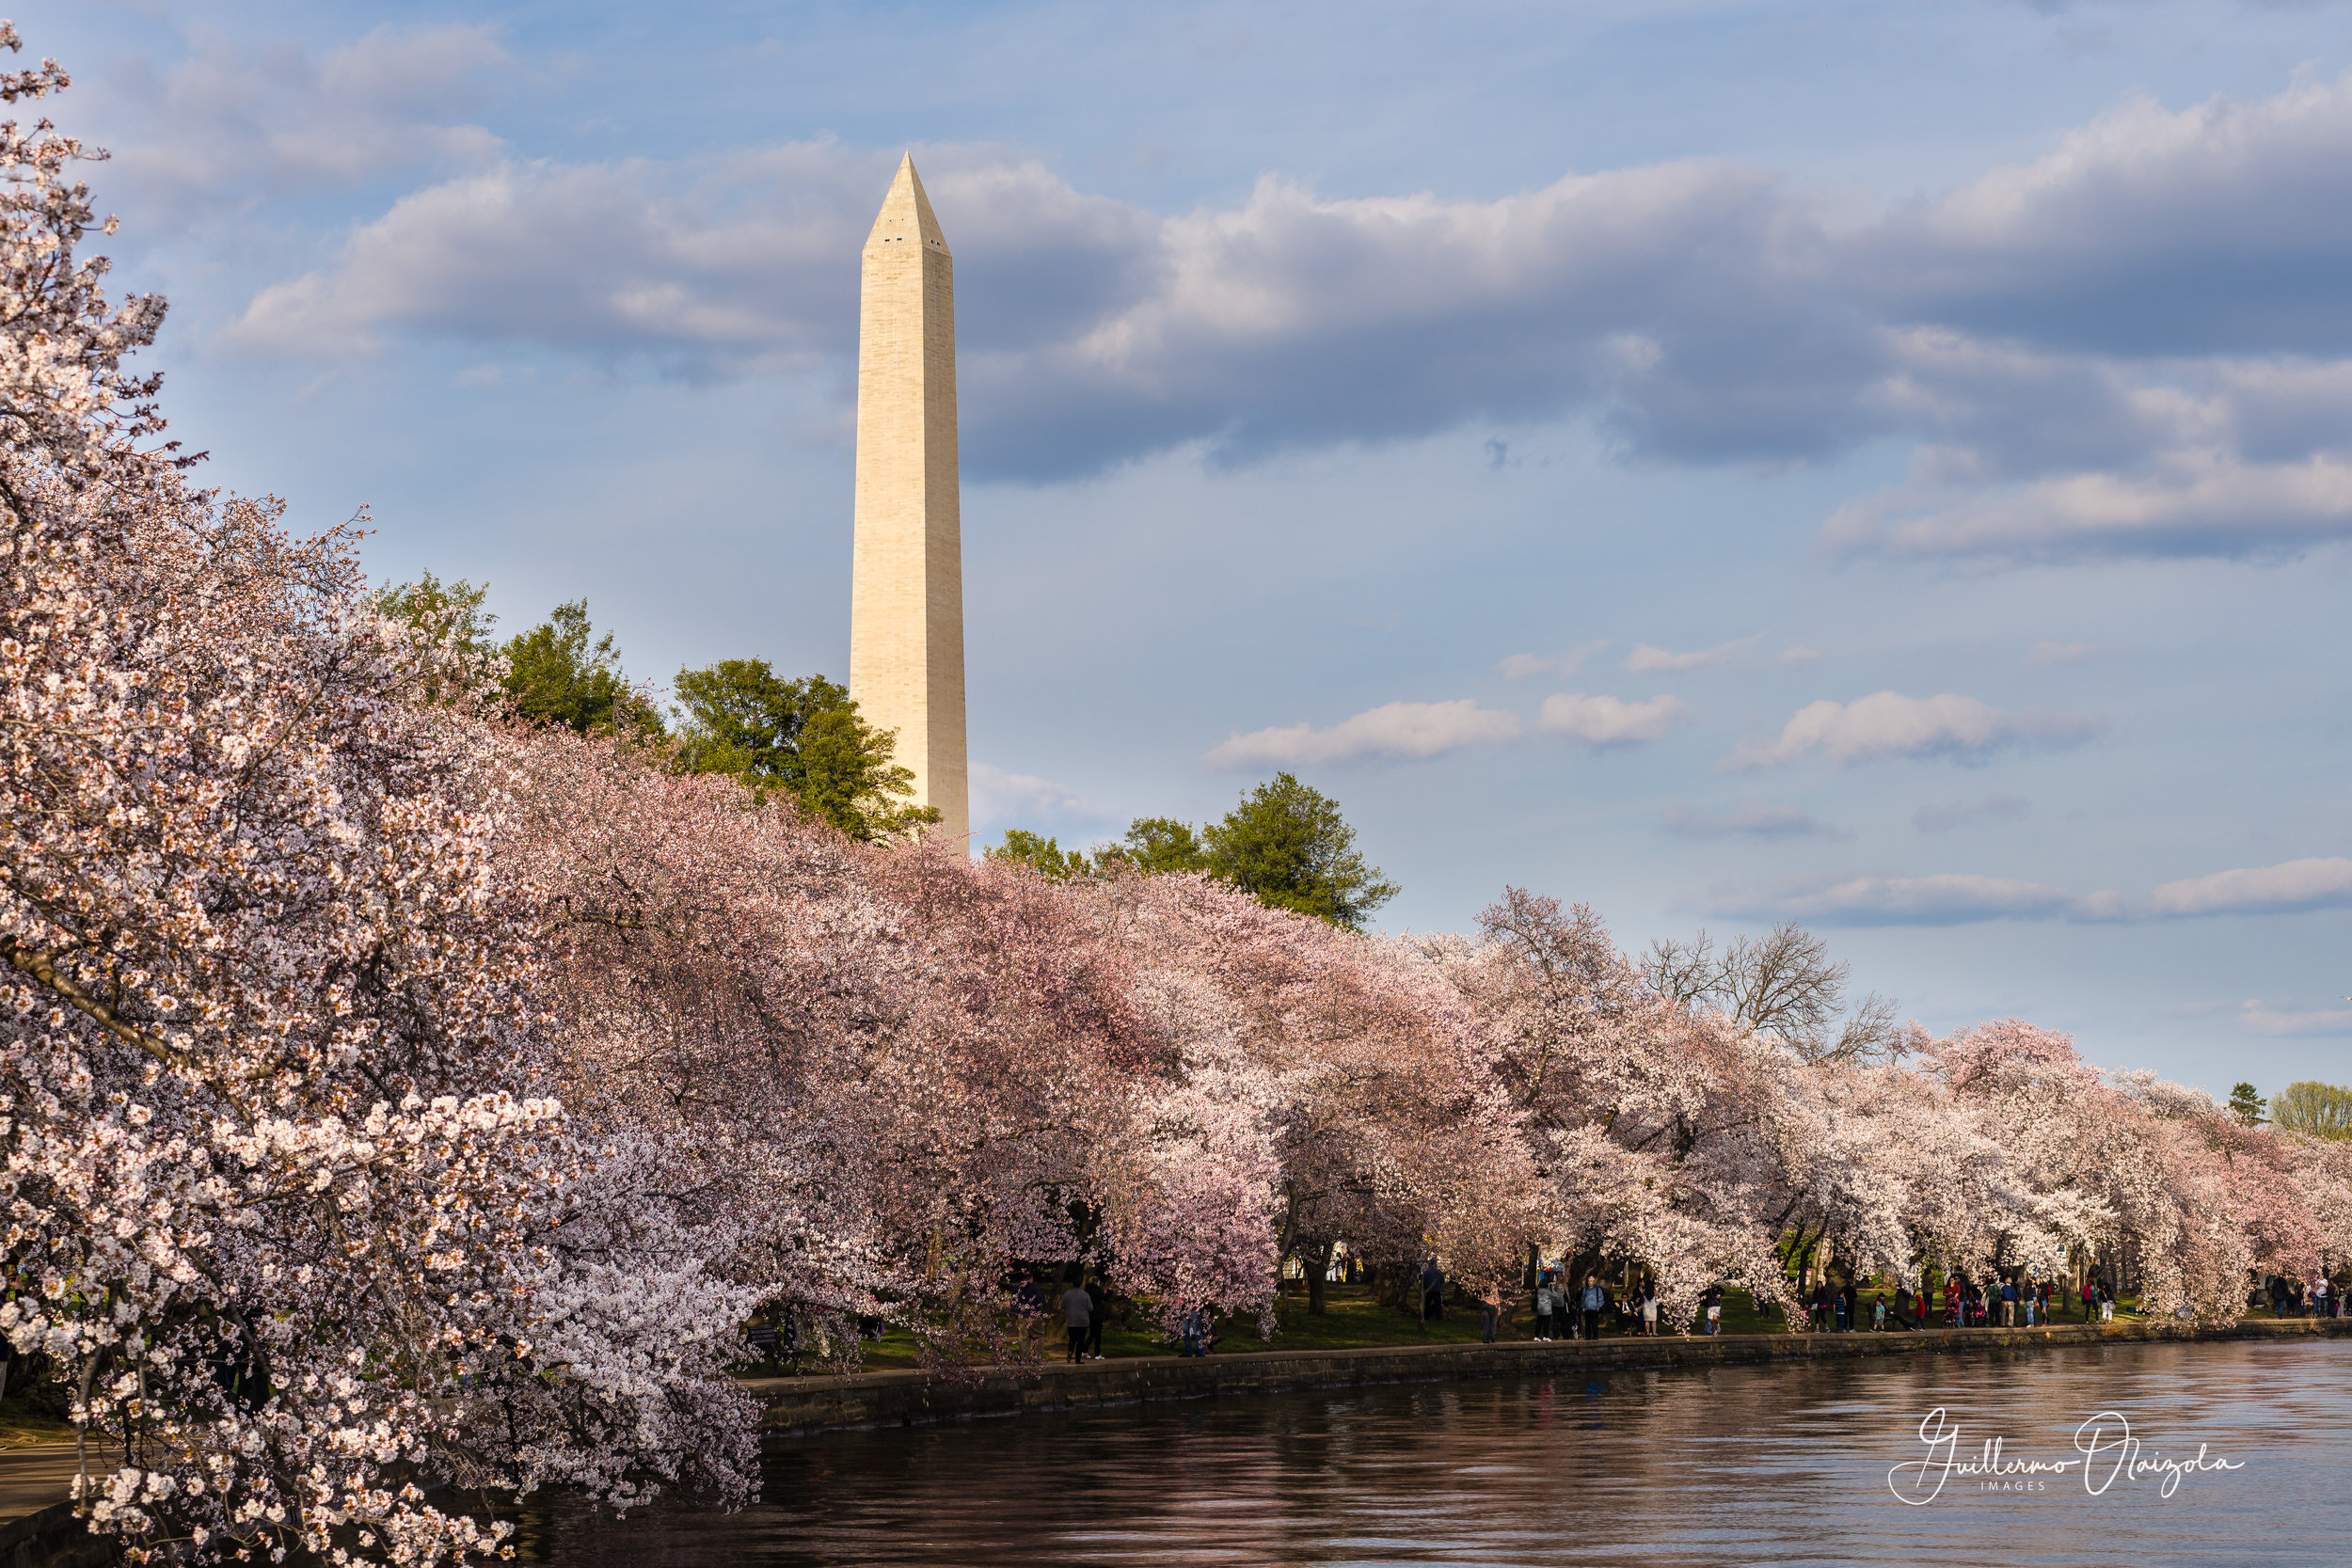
<point>906,596</point>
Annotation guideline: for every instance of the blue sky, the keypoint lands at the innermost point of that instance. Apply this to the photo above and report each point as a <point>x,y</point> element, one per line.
<point>1883,465</point>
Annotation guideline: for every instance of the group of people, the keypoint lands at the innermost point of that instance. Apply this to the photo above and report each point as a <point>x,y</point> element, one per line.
<point>2296,1298</point>
<point>1566,1312</point>
<point>1085,1308</point>
<point>1082,1307</point>
<point>2005,1303</point>
<point>1580,1312</point>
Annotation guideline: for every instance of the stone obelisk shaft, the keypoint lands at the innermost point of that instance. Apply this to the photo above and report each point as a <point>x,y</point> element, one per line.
<point>906,604</point>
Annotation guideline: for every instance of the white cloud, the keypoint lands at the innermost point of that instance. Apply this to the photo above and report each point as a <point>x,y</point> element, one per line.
<point>709,266</point>
<point>1872,898</point>
<point>1745,821</point>
<point>605,259</point>
<point>2171,380</point>
<point>2257,1017</point>
<point>1888,724</point>
<point>2286,888</point>
<point>1796,658</point>
<point>1400,730</point>
<point>1021,800</point>
<point>233,117</point>
<point>1648,659</point>
<point>1603,721</point>
<point>2147,230</point>
<point>1096,331</point>
<point>1518,667</point>
<point>1943,818</point>
<point>1947,899</point>
<point>2198,503</point>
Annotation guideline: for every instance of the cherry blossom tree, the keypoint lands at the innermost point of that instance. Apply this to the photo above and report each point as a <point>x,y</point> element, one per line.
<point>395,1096</point>
<point>897,1076</point>
<point>1655,1128</point>
<point>290,1209</point>
<point>1388,1128</point>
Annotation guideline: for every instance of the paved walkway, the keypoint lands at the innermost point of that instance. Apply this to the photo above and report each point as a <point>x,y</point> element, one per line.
<point>33,1477</point>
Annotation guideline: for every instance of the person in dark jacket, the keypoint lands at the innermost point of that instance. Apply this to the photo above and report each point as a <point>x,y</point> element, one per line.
<point>1077,1315</point>
<point>1094,1324</point>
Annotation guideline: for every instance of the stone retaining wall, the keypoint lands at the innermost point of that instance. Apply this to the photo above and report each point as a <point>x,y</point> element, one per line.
<point>801,1406</point>
<point>51,1537</point>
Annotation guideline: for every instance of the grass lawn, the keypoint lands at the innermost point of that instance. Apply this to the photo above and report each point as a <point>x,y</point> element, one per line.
<point>1352,1319</point>
<point>20,1426</point>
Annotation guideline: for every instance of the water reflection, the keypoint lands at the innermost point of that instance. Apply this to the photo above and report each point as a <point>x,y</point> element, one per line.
<point>1783,1464</point>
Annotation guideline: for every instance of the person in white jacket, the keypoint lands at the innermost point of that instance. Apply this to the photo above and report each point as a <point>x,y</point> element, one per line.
<point>1078,1313</point>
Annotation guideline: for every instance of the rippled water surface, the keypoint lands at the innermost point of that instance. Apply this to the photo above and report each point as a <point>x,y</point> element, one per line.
<point>1782,1463</point>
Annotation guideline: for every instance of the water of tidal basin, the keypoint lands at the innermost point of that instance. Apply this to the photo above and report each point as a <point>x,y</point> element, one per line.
<point>1779,1464</point>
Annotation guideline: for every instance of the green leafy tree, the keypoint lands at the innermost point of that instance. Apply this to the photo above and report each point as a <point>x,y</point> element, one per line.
<point>1156,844</point>
<point>1287,844</point>
<point>2322,1110</point>
<point>561,673</point>
<point>2245,1104</point>
<point>1026,848</point>
<point>451,633</point>
<point>799,737</point>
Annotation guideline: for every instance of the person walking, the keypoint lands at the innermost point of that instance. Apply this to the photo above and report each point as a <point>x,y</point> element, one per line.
<point>1878,1313</point>
<point>1432,1292</point>
<point>1077,1310</point>
<point>1094,1320</point>
<point>1489,1317</point>
<point>1712,1300</point>
<point>1649,1309</point>
<point>1850,1306</point>
<point>1543,1309</point>
<point>2090,1294</point>
<point>1595,1299</point>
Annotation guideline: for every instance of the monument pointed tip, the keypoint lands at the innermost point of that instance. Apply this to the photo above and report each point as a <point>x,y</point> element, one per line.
<point>906,212</point>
